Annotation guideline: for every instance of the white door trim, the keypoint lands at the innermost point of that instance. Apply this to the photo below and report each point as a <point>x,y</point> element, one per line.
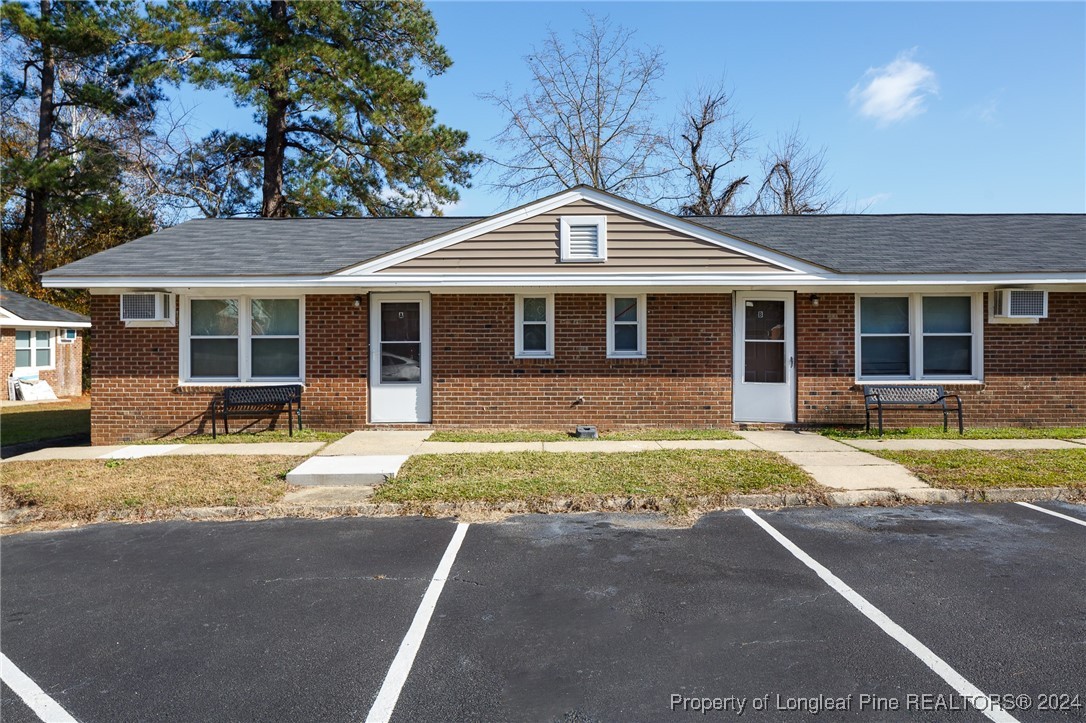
<point>391,403</point>
<point>763,402</point>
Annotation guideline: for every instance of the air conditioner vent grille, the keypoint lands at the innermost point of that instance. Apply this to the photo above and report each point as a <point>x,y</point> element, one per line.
<point>1027,303</point>
<point>139,307</point>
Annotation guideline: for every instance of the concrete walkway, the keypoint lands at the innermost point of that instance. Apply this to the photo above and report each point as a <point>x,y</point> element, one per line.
<point>361,459</point>
<point>891,445</point>
<point>835,465</point>
<point>137,451</point>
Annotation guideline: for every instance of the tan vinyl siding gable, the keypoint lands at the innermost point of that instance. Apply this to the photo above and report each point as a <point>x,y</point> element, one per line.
<point>633,245</point>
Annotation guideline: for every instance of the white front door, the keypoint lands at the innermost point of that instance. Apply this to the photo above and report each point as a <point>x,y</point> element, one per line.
<point>764,373</point>
<point>400,358</point>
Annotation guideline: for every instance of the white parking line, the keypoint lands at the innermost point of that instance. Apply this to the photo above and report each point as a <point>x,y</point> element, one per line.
<point>35,698</point>
<point>405,657</point>
<point>941,668</point>
<point>1062,516</point>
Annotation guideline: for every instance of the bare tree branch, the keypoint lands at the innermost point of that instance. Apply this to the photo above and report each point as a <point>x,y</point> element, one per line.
<point>588,117</point>
<point>708,140</point>
<point>795,179</point>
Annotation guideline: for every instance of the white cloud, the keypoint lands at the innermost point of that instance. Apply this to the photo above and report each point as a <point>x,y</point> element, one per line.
<point>896,91</point>
<point>865,204</point>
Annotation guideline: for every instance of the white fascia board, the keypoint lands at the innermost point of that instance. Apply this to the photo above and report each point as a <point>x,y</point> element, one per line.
<point>15,321</point>
<point>749,280</point>
<point>344,284</point>
<point>551,203</point>
<point>123,284</point>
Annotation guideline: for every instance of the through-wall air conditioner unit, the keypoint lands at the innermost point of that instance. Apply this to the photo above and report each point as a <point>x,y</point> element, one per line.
<point>1020,304</point>
<point>154,307</point>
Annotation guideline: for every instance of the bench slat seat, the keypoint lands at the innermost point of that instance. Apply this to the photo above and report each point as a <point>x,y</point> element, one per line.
<point>919,396</point>
<point>256,402</point>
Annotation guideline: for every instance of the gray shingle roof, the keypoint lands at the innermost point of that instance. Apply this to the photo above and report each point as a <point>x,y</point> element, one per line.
<point>260,246</point>
<point>33,310</point>
<point>919,243</point>
<point>855,244</point>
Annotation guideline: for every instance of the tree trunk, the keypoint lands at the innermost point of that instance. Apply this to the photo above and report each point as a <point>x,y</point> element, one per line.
<point>275,134</point>
<point>39,196</point>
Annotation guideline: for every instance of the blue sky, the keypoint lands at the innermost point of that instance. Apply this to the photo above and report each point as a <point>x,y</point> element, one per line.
<point>922,107</point>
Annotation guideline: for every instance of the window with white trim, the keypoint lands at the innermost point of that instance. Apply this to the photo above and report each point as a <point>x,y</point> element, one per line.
<point>535,326</point>
<point>33,349</point>
<point>243,339</point>
<point>582,238</point>
<point>918,337</point>
<point>625,326</point>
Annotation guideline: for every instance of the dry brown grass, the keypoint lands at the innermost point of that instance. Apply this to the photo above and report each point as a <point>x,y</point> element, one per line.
<point>86,489</point>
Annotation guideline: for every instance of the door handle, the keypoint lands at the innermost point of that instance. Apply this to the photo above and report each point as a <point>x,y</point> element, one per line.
<point>791,362</point>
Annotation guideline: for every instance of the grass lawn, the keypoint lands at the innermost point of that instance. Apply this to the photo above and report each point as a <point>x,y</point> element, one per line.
<point>270,435</point>
<point>528,435</point>
<point>975,469</point>
<point>978,433</point>
<point>79,490</point>
<point>32,422</point>
<point>498,477</point>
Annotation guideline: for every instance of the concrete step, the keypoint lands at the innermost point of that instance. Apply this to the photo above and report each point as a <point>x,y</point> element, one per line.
<point>346,470</point>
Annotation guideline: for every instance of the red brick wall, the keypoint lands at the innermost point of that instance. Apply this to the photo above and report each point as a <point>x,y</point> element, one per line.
<point>1034,374</point>
<point>135,392</point>
<point>336,360</point>
<point>66,378</point>
<point>684,382</point>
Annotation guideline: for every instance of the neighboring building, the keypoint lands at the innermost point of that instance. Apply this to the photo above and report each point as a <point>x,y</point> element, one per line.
<point>41,340</point>
<point>585,308</point>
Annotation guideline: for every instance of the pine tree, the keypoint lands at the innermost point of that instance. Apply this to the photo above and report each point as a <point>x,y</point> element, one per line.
<point>346,130</point>
<point>72,73</point>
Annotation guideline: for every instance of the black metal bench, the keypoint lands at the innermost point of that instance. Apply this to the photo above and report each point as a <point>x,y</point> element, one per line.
<point>919,396</point>
<point>256,402</point>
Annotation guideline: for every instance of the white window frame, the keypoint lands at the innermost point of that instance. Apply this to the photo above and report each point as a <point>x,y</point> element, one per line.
<point>916,339</point>
<point>245,337</point>
<point>520,353</point>
<point>600,222</point>
<point>642,348</point>
<point>34,349</point>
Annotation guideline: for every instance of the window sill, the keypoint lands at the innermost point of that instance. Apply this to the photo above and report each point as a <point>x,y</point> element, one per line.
<point>194,384</point>
<point>533,356</point>
<point>627,356</point>
<point>919,382</point>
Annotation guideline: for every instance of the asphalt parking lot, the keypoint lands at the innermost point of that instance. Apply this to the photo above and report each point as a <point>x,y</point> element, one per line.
<point>567,618</point>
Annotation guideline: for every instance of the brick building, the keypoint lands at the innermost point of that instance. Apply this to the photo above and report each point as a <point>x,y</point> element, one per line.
<point>585,308</point>
<point>41,341</point>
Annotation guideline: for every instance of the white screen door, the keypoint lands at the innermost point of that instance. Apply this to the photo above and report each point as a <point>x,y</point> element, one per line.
<point>764,372</point>
<point>400,358</point>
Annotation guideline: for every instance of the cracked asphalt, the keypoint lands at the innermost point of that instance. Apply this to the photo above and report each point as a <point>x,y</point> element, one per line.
<point>569,618</point>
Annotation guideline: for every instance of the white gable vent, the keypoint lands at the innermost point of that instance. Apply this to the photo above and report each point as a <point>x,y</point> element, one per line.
<point>583,238</point>
<point>154,307</point>
<point>1019,304</point>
